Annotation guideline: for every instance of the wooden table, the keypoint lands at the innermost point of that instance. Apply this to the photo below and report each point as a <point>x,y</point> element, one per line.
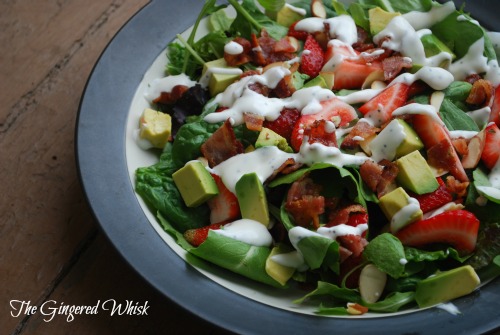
<point>51,248</point>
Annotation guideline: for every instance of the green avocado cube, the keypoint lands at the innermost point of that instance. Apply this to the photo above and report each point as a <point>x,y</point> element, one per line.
<point>252,198</point>
<point>415,174</point>
<point>379,19</point>
<point>400,209</point>
<point>447,285</point>
<point>267,138</point>
<point>218,80</point>
<point>195,183</point>
<point>411,142</point>
<point>287,15</point>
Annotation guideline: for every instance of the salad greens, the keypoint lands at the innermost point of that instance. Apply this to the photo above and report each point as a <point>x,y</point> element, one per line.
<point>352,229</point>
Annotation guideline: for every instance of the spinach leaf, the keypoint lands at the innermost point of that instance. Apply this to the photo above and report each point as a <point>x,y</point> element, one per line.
<point>454,118</point>
<point>487,247</point>
<point>318,251</point>
<point>332,291</point>
<point>360,16</point>
<point>487,213</point>
<point>417,255</point>
<point>306,5</point>
<point>458,91</point>
<point>386,252</point>
<point>242,258</point>
<point>156,186</point>
<point>219,21</point>
<point>392,303</point>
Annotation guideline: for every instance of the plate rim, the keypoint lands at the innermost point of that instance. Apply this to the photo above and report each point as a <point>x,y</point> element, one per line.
<point>100,137</point>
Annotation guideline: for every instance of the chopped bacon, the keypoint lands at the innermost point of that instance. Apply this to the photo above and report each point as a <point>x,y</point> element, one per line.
<point>253,121</point>
<point>284,46</point>
<point>354,243</point>
<point>266,50</point>
<point>456,187</point>
<point>360,129</point>
<point>259,88</point>
<point>287,167</point>
<point>364,42</point>
<point>393,65</point>
<point>242,58</point>
<point>221,145</point>
<point>305,203</point>
<point>171,97</point>
<point>471,78</point>
<point>379,177</point>
<point>481,93</point>
<point>442,156</point>
<point>318,132</point>
<point>341,215</point>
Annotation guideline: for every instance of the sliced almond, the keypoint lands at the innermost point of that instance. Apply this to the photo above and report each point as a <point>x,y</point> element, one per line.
<point>437,99</point>
<point>356,309</point>
<point>474,151</point>
<point>318,9</point>
<point>294,42</point>
<point>371,283</point>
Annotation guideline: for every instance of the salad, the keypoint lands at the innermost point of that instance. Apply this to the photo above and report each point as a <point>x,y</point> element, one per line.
<point>350,151</point>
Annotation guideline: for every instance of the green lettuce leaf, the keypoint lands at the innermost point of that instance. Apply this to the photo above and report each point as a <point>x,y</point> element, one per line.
<point>456,119</point>
<point>386,252</point>
<point>330,290</point>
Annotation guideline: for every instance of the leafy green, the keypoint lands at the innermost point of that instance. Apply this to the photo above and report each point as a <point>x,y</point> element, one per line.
<point>458,91</point>
<point>306,5</point>
<point>236,256</point>
<point>487,213</point>
<point>332,291</point>
<point>487,248</point>
<point>272,5</point>
<point>386,252</point>
<point>219,21</point>
<point>392,303</point>
<point>417,255</point>
<point>360,16</point>
<point>456,119</point>
<point>318,251</point>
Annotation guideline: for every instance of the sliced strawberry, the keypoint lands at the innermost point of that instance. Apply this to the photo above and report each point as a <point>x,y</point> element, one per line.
<point>458,228</point>
<point>491,150</point>
<point>386,102</point>
<point>333,110</point>
<point>357,219</point>
<point>312,58</point>
<point>319,132</point>
<point>197,236</point>
<point>298,34</point>
<point>352,75</point>
<point>440,149</point>
<point>224,206</point>
<point>436,199</point>
<point>495,108</point>
<point>283,125</point>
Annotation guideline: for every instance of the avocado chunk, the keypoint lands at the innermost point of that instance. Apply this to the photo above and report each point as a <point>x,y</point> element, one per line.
<point>411,142</point>
<point>252,198</point>
<point>156,127</point>
<point>288,15</point>
<point>415,174</point>
<point>380,18</point>
<point>278,272</point>
<point>219,78</point>
<point>316,81</point>
<point>447,285</point>
<point>400,209</point>
<point>267,138</point>
<point>195,183</point>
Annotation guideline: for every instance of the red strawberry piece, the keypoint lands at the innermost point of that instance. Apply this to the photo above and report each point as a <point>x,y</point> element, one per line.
<point>495,107</point>
<point>458,228</point>
<point>298,34</point>
<point>357,219</point>
<point>352,75</point>
<point>440,149</point>
<point>197,236</point>
<point>386,102</point>
<point>224,206</point>
<point>354,243</point>
<point>333,110</point>
<point>491,150</point>
<point>312,57</point>
<point>318,132</point>
<point>436,199</point>
<point>283,125</point>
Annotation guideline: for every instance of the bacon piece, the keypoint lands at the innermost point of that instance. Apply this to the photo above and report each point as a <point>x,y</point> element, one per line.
<point>305,203</point>
<point>221,145</point>
<point>342,214</point>
<point>360,129</point>
<point>481,93</point>
<point>242,58</point>
<point>393,65</point>
<point>471,78</point>
<point>379,177</point>
<point>363,43</point>
<point>266,50</point>
<point>354,243</point>
<point>168,98</point>
<point>253,121</point>
<point>287,167</point>
<point>442,156</point>
<point>456,187</point>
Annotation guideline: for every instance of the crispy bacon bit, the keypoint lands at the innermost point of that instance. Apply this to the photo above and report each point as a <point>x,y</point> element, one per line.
<point>342,214</point>
<point>379,177</point>
<point>393,65</point>
<point>221,145</point>
<point>319,132</point>
<point>471,78</point>
<point>363,43</point>
<point>354,243</point>
<point>259,88</point>
<point>360,130</point>
<point>442,157</point>
<point>481,93</point>
<point>253,121</point>
<point>456,187</point>
<point>171,97</point>
<point>266,50</point>
<point>305,203</point>
<point>242,58</point>
<point>287,167</point>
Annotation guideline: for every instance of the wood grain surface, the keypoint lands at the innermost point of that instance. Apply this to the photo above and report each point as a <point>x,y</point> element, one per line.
<point>51,248</point>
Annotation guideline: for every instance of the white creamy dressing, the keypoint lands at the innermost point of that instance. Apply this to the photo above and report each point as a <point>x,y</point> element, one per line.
<point>166,85</point>
<point>481,116</point>
<point>416,108</point>
<point>341,27</point>
<point>451,206</point>
<point>247,231</point>
<point>421,20</point>
<point>300,11</point>
<point>436,77</point>
<point>385,144</point>
<point>449,307</point>
<point>466,134</point>
<point>342,230</point>
<point>492,191</point>
<point>399,35</point>
<point>403,216</point>
<point>233,48</point>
